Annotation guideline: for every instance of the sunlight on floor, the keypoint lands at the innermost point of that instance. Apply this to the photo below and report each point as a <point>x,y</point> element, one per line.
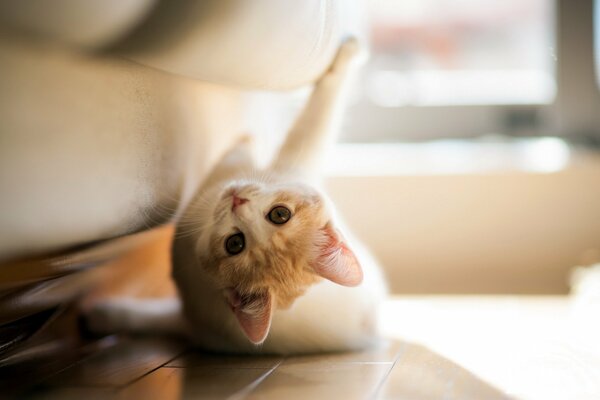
<point>530,347</point>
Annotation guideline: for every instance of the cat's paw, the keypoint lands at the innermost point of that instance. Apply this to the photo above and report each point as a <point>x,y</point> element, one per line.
<point>350,47</point>
<point>348,52</point>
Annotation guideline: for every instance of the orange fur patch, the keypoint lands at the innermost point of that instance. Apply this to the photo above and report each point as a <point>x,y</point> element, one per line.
<point>281,264</point>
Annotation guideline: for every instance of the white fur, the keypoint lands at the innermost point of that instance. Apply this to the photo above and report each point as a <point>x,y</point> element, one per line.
<point>328,317</point>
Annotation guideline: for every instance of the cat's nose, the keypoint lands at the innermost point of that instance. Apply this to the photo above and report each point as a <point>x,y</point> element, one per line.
<point>237,201</point>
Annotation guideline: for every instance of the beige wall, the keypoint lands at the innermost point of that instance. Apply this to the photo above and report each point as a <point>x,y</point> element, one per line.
<point>513,232</point>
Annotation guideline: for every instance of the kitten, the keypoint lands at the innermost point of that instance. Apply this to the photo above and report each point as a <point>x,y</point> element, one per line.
<point>264,266</point>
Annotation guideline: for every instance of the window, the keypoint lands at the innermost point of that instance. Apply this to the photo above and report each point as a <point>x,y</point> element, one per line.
<point>461,52</point>
<point>470,68</point>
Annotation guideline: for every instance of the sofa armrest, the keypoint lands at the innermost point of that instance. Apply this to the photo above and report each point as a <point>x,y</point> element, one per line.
<point>267,44</point>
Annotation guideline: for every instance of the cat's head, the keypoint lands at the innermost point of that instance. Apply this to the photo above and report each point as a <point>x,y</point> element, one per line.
<point>266,244</point>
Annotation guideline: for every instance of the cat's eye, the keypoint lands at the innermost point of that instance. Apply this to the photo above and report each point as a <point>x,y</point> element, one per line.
<point>235,244</point>
<point>279,215</point>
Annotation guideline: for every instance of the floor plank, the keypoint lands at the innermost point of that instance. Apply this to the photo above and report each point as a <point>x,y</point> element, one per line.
<point>322,380</point>
<point>70,393</point>
<point>196,359</point>
<point>118,365</point>
<point>387,352</point>
<point>199,382</point>
<point>420,373</point>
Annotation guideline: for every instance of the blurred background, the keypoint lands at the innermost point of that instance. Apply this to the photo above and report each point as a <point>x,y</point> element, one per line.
<point>481,63</point>
<point>469,161</point>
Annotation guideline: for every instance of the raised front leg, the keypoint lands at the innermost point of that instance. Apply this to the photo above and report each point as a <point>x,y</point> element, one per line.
<point>316,127</point>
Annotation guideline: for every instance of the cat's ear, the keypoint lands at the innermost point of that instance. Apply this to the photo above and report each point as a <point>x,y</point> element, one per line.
<point>335,261</point>
<point>253,312</point>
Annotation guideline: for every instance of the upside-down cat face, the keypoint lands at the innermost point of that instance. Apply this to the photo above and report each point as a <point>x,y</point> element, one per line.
<point>266,244</point>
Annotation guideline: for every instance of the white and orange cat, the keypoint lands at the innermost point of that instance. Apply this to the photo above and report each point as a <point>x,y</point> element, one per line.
<point>266,267</point>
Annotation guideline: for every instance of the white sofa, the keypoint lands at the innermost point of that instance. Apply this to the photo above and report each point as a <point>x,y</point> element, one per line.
<point>112,112</point>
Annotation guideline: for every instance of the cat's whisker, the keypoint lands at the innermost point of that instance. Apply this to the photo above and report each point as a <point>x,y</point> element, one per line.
<point>180,233</point>
<point>150,219</point>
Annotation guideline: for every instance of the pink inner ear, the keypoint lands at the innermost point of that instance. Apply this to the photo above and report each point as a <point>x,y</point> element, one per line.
<point>336,261</point>
<point>253,313</point>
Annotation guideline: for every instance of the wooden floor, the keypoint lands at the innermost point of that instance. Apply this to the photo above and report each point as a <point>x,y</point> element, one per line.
<point>152,369</point>
<point>467,330</point>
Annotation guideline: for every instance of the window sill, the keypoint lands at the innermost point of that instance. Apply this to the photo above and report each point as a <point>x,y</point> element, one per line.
<point>450,157</point>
